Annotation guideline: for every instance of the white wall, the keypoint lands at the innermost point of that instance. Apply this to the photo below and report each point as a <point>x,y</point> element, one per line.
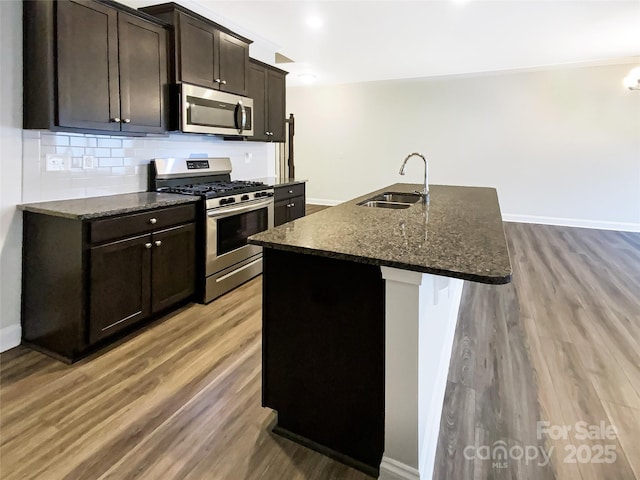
<point>561,145</point>
<point>10,171</point>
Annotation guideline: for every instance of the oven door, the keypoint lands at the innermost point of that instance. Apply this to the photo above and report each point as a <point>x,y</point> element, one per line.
<point>228,229</point>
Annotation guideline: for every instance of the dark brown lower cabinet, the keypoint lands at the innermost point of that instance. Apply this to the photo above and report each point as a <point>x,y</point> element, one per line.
<point>119,286</point>
<point>289,203</point>
<point>172,266</point>
<point>85,281</point>
<point>323,354</point>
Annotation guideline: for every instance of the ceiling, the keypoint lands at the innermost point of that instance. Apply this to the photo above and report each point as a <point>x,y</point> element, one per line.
<point>381,40</point>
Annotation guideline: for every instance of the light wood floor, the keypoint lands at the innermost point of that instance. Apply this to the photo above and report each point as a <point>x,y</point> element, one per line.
<point>181,399</point>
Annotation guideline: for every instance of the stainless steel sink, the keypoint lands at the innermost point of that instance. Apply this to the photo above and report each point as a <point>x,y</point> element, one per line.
<point>401,197</point>
<point>384,204</point>
<point>395,200</point>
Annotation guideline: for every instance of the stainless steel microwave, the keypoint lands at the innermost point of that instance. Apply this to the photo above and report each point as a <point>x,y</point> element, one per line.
<point>203,110</point>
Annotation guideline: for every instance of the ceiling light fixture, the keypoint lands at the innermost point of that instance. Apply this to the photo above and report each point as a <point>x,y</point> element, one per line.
<point>632,80</point>
<point>314,22</point>
<point>306,77</point>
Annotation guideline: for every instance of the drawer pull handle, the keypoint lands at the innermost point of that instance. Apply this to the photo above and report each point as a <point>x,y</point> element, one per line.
<point>153,221</point>
<point>147,246</point>
<point>158,243</point>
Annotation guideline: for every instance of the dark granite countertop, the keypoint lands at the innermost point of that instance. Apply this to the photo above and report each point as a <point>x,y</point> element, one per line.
<point>97,207</point>
<point>274,182</point>
<point>458,234</point>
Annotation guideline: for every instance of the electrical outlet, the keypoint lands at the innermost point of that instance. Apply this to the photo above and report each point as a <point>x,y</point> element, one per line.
<point>58,162</point>
<point>247,157</point>
<point>88,161</point>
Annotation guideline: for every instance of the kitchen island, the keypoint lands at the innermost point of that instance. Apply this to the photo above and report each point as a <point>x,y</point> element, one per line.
<point>360,309</point>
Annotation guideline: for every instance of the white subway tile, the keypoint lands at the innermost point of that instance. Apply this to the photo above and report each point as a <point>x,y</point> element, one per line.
<point>123,170</point>
<point>109,143</point>
<point>82,142</point>
<point>102,152</point>
<point>111,162</point>
<point>117,152</point>
<point>63,150</point>
<point>46,149</point>
<point>54,139</point>
<point>30,133</point>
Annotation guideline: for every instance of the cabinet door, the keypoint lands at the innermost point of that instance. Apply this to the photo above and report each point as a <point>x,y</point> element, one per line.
<point>143,75</point>
<point>257,91</point>
<point>276,100</point>
<point>280,212</point>
<point>173,274</point>
<point>118,285</point>
<point>296,208</point>
<point>87,52</point>
<point>198,43</point>
<point>233,61</point>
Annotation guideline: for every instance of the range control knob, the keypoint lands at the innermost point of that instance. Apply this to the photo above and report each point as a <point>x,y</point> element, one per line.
<point>244,197</point>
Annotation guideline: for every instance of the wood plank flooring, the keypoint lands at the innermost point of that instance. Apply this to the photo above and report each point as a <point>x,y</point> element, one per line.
<point>560,344</point>
<point>181,399</point>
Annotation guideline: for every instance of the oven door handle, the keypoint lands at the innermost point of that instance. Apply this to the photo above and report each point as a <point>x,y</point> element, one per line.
<point>244,208</point>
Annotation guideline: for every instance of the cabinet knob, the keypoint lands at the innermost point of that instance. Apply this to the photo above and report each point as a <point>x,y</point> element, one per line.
<point>293,204</point>
<point>158,243</point>
<point>126,120</point>
<point>153,221</point>
<point>147,246</point>
<point>290,191</point>
<point>224,82</point>
<point>217,80</point>
<point>115,120</point>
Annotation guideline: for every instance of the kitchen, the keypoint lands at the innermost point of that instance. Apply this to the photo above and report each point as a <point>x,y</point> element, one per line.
<point>612,129</point>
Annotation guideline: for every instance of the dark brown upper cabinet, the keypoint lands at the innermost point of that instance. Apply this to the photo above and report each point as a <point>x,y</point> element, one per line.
<point>204,52</point>
<point>267,87</point>
<point>92,65</point>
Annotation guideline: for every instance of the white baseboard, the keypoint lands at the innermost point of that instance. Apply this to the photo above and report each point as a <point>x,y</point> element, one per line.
<point>323,201</point>
<point>391,469</point>
<point>10,337</point>
<point>572,222</point>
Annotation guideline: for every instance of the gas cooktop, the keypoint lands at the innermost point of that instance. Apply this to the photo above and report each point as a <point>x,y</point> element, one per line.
<point>216,189</point>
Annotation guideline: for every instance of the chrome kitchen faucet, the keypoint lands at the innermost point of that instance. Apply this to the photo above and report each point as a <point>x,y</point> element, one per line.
<point>425,190</point>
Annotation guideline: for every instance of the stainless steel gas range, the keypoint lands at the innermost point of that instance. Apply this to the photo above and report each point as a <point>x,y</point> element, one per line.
<point>233,211</point>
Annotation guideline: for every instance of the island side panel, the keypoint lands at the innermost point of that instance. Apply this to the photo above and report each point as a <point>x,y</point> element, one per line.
<point>323,352</point>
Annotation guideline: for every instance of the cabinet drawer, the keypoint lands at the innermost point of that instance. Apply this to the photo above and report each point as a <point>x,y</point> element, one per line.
<point>137,223</point>
<point>288,191</point>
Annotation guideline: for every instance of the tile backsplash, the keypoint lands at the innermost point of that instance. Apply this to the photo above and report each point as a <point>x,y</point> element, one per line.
<point>95,165</point>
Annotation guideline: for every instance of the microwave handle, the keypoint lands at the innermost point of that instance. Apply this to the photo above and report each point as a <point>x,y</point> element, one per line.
<point>243,119</point>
